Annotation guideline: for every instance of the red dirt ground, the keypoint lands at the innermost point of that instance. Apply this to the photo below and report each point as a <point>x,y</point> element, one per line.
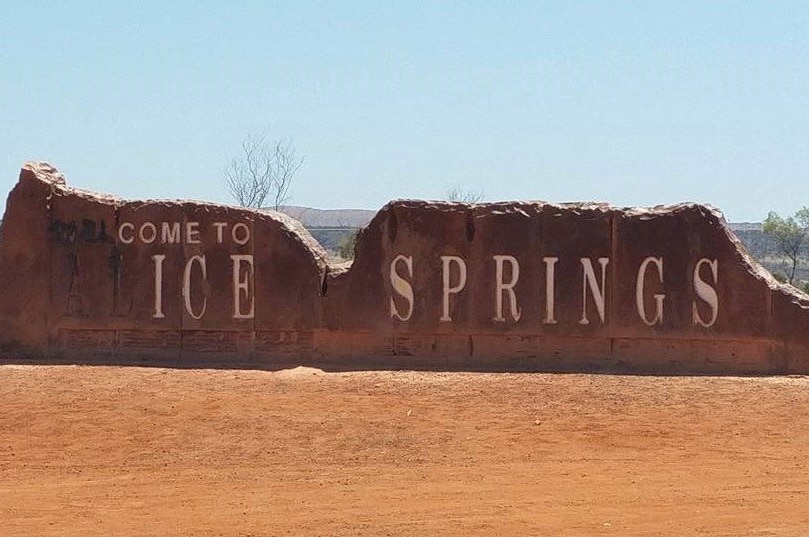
<point>135,451</point>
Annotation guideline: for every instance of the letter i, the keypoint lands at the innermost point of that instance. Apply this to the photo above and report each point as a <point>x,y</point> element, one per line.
<point>158,286</point>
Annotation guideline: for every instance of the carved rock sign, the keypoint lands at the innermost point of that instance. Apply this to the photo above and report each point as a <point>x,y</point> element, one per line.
<point>506,286</point>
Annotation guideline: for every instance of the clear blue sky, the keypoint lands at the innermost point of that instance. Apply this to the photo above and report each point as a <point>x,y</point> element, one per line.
<point>635,103</point>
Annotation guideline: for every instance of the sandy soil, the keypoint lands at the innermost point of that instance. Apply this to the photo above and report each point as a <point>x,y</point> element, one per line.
<point>136,451</point>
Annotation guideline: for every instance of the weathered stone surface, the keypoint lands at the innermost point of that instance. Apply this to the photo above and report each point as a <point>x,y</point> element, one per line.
<point>81,273</point>
<point>512,286</point>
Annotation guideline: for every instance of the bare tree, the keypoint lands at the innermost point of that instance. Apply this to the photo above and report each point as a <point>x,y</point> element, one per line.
<point>458,194</point>
<point>262,172</point>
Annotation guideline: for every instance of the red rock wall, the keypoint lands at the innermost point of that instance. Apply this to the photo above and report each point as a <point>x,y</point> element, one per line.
<point>509,286</point>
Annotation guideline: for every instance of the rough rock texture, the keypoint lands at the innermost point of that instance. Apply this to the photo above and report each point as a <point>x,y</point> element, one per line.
<point>506,286</point>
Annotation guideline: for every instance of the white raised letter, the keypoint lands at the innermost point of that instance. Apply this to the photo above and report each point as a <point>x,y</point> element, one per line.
<point>242,284</point>
<point>219,227</point>
<point>192,233</point>
<point>152,233</point>
<point>446,261</point>
<point>589,280</point>
<point>549,289</point>
<point>500,286</point>
<point>187,285</point>
<point>658,318</point>
<point>401,286</point>
<point>158,286</point>
<point>705,292</point>
<point>171,234</point>
<point>121,233</point>
<point>246,234</point>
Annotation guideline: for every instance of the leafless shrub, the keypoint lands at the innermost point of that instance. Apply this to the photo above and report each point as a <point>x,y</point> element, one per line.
<point>262,172</point>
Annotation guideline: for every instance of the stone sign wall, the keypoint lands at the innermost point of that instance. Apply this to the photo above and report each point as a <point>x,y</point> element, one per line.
<point>507,286</point>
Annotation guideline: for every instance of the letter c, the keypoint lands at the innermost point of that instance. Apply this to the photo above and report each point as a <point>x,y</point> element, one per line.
<point>131,228</point>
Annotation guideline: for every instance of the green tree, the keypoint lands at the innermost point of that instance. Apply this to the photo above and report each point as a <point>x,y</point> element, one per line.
<point>790,234</point>
<point>346,245</point>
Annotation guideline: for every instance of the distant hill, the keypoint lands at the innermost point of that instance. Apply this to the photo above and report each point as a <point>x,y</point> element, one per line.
<point>330,226</point>
<point>754,239</point>
<point>745,226</point>
<point>763,248</point>
<point>332,218</point>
